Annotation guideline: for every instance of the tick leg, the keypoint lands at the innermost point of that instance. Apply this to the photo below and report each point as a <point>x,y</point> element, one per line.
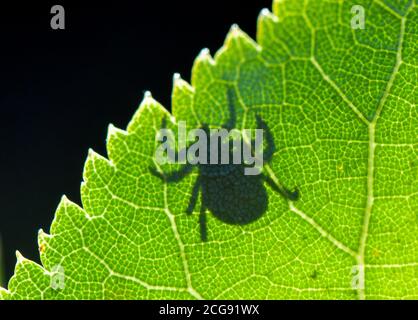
<point>172,154</point>
<point>271,146</point>
<point>202,222</point>
<point>193,198</point>
<point>174,176</point>
<point>231,123</point>
<point>290,195</point>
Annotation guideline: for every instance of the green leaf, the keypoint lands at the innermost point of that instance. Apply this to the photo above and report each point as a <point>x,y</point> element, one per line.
<point>341,105</point>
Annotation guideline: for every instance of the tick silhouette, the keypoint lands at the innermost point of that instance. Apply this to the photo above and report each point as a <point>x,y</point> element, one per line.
<point>229,194</point>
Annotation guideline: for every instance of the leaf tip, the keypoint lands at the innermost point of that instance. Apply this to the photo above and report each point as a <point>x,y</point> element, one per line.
<point>178,82</point>
<point>204,55</point>
<point>111,127</point>
<point>148,100</point>
<point>235,34</point>
<point>42,234</point>
<point>113,131</point>
<point>65,202</point>
<point>147,95</point>
<point>91,153</point>
<point>20,258</point>
<point>267,14</point>
<point>235,28</point>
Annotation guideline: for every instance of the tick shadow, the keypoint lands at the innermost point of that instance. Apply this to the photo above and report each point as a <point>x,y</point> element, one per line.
<point>226,191</point>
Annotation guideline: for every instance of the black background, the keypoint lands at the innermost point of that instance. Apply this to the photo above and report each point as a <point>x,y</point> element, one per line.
<point>59,90</point>
<point>147,309</point>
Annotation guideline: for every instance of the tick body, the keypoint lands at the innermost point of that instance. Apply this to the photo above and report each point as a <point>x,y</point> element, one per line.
<point>226,191</point>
